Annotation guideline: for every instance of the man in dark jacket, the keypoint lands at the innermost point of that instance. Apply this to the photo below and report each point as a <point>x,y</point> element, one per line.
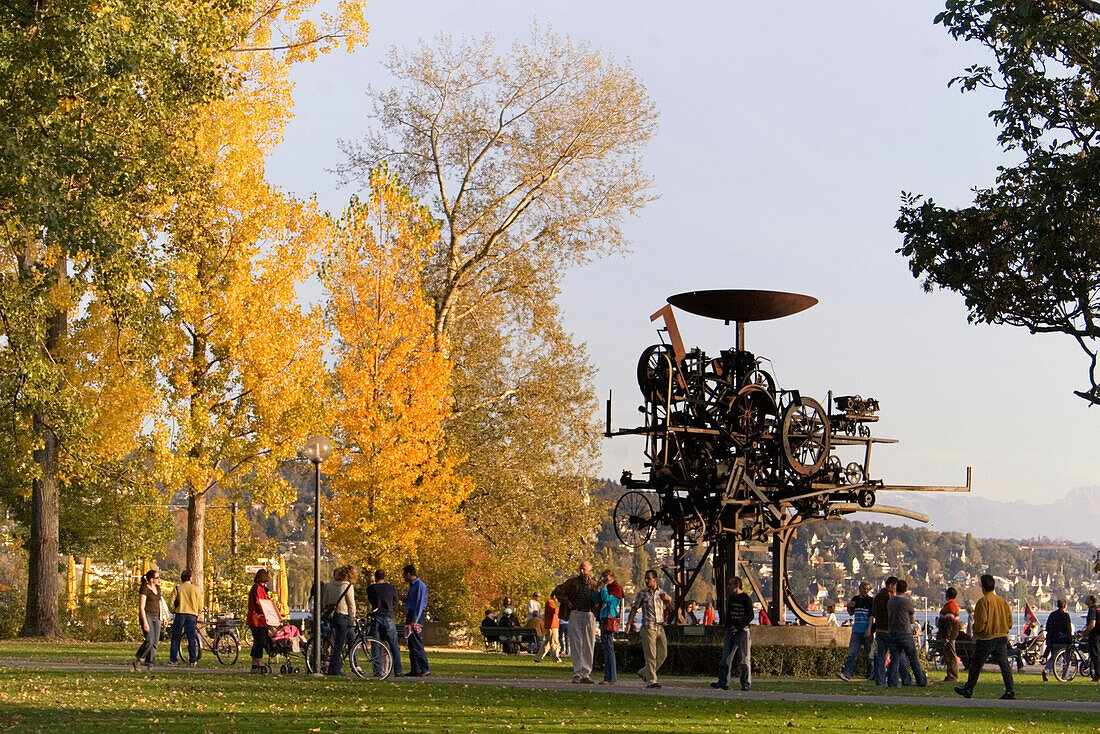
<point>382,597</point>
<point>737,649</point>
<point>1059,633</point>
<point>881,614</point>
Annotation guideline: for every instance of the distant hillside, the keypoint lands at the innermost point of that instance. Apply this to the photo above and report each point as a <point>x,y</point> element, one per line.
<point>1071,518</point>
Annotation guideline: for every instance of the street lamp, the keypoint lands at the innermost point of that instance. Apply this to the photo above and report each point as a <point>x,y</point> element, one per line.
<point>317,449</point>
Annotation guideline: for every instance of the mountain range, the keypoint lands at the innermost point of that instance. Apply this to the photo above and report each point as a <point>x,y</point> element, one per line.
<point>1073,518</point>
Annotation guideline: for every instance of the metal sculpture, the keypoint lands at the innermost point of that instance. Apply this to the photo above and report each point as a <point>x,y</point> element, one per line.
<point>735,461</point>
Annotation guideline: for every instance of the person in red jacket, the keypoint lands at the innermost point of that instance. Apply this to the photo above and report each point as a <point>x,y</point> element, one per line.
<point>255,617</point>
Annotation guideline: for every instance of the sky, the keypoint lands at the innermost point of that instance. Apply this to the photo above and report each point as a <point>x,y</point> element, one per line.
<point>787,133</point>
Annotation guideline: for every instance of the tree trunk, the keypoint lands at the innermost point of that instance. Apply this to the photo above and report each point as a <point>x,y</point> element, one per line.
<point>42,616</point>
<point>196,534</point>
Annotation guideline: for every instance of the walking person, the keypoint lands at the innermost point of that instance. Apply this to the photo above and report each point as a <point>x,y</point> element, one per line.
<point>859,608</point>
<point>992,622</point>
<point>255,618</point>
<point>416,609</point>
<point>382,597</point>
<point>553,626</point>
<point>578,599</point>
<point>150,602</point>
<point>339,594</point>
<point>611,598</point>
<point>187,604</point>
<point>1059,631</point>
<point>653,602</point>
<point>737,648</point>
<point>903,648</point>
<point>948,631</point>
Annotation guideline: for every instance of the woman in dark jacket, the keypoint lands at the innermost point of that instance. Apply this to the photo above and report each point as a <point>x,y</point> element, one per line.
<point>255,617</point>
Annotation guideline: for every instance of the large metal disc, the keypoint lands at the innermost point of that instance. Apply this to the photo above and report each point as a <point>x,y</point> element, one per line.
<point>741,305</point>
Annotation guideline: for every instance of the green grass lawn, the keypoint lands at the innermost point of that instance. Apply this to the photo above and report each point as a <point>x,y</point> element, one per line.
<point>79,701</point>
<point>187,701</point>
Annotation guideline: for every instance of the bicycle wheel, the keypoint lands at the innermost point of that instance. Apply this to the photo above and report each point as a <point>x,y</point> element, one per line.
<point>381,658</point>
<point>326,646</point>
<point>227,648</point>
<point>1065,665</point>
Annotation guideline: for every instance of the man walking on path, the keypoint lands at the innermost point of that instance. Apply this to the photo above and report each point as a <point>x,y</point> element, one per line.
<point>949,631</point>
<point>1059,632</point>
<point>578,600</point>
<point>653,602</point>
<point>187,604</point>
<point>901,612</point>
<point>737,648</point>
<point>382,597</point>
<point>881,614</point>
<point>860,610</point>
<point>553,643</point>
<point>416,606</point>
<point>992,623</point>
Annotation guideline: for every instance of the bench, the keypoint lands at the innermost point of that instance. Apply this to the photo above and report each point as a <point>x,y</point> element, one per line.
<point>497,635</point>
<point>964,648</point>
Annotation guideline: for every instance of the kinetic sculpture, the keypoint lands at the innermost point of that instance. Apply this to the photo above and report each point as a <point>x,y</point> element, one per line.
<point>736,462</point>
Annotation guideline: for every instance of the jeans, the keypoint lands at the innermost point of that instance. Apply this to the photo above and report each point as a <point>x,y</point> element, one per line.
<point>418,658</point>
<point>903,648</point>
<point>259,642</point>
<point>181,624</point>
<point>882,646</point>
<point>736,650</point>
<point>1052,651</point>
<point>340,623</point>
<point>1094,655</point>
<point>610,665</point>
<point>148,649</point>
<point>859,641</point>
<point>385,629</point>
<point>997,650</point>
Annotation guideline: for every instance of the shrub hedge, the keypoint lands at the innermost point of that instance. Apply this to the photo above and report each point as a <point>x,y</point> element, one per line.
<point>767,660</point>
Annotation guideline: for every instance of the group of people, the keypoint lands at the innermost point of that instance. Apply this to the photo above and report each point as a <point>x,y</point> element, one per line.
<point>338,610</point>
<point>589,604</point>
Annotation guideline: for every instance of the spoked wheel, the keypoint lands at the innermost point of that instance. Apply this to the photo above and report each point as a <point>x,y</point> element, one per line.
<point>655,372</point>
<point>1065,665</point>
<point>227,649</point>
<point>381,660</point>
<point>805,436</point>
<point>853,473</point>
<point>752,408</point>
<point>763,379</point>
<point>633,518</point>
<point>308,652</point>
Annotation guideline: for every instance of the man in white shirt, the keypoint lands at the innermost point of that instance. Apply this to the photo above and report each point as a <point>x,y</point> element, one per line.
<point>534,611</point>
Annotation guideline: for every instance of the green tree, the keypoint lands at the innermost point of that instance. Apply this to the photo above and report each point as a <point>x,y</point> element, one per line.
<point>94,98</point>
<point>1027,252</point>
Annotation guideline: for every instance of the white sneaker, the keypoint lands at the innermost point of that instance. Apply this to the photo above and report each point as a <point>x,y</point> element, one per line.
<point>842,676</point>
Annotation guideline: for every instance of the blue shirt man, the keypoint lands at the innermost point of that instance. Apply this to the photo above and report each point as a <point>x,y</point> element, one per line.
<point>416,605</point>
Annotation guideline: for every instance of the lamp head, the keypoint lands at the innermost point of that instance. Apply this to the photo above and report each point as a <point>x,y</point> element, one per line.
<point>317,449</point>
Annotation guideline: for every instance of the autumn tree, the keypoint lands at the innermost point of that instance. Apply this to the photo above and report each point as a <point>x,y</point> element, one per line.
<point>95,97</point>
<point>396,482</point>
<point>242,359</point>
<point>530,158</point>
<point>1027,252</point>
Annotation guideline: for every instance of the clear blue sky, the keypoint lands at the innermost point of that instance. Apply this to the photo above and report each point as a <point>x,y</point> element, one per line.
<point>787,132</point>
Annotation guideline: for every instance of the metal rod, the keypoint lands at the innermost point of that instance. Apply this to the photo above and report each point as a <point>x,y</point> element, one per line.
<point>317,569</point>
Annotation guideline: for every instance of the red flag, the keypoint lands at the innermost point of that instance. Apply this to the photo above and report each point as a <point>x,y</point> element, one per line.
<point>1030,615</point>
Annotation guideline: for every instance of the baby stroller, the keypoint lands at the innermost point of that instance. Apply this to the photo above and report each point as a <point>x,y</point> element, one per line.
<point>283,640</point>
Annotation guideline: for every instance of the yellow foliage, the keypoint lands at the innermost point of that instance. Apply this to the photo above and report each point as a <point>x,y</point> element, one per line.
<point>396,482</point>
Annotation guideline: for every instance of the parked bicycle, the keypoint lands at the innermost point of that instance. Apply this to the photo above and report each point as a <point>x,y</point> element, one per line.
<point>366,656</point>
<point>221,638</point>
<point>1071,661</point>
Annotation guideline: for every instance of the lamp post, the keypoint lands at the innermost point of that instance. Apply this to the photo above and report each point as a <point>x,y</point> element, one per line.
<point>317,450</point>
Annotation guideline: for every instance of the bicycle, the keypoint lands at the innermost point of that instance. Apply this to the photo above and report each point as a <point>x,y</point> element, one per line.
<point>1072,660</point>
<point>224,641</point>
<point>359,648</point>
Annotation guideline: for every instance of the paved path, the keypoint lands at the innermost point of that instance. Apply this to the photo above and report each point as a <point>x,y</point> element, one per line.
<point>676,687</point>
